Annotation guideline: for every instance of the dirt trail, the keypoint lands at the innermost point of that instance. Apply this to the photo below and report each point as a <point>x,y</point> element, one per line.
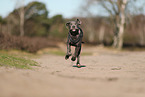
<point>107,74</point>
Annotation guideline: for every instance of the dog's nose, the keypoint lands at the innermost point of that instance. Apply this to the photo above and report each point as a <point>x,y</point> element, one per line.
<point>73,26</point>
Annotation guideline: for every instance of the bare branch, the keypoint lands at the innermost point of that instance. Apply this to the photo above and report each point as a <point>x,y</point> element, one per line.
<point>113,6</point>
<point>109,10</point>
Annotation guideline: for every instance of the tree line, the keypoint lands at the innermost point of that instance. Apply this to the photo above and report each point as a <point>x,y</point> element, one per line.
<point>30,20</point>
<point>117,29</point>
<point>122,15</point>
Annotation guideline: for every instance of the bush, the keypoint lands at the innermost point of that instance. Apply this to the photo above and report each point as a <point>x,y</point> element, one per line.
<point>25,43</point>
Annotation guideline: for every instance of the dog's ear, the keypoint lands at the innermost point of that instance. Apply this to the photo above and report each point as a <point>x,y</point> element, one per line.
<point>78,22</point>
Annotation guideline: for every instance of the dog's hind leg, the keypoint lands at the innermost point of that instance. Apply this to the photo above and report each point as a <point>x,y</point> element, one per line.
<point>68,52</point>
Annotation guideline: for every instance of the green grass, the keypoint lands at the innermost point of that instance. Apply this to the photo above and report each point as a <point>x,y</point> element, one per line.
<point>86,53</point>
<point>59,53</point>
<point>18,53</point>
<point>17,62</point>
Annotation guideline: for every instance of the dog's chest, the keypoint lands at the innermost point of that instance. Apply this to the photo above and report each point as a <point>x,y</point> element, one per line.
<point>75,40</point>
<point>75,35</point>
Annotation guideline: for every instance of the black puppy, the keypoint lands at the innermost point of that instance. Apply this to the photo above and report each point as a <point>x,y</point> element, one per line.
<point>75,36</point>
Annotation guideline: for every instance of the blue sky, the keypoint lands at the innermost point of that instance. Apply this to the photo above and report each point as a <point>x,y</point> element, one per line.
<point>68,8</point>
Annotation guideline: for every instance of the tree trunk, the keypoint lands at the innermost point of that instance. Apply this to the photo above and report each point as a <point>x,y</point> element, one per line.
<point>119,23</point>
<point>89,27</point>
<point>115,39</point>
<point>0,28</point>
<point>116,31</point>
<point>22,21</point>
<point>121,26</point>
<point>21,12</point>
<point>9,28</point>
<point>142,33</point>
<point>101,35</point>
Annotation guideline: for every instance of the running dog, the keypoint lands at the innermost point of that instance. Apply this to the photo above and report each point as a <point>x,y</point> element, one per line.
<point>74,38</point>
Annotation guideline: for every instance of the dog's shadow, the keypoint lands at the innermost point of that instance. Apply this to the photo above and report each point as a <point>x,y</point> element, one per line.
<point>79,66</point>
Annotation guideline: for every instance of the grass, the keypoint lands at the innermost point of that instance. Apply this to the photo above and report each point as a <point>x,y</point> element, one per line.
<point>17,62</point>
<point>86,53</point>
<point>59,53</point>
<point>19,59</point>
<point>18,53</point>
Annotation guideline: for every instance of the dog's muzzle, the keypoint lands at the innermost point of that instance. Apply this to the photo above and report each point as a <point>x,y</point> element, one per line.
<point>74,32</point>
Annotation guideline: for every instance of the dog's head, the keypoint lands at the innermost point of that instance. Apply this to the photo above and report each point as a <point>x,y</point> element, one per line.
<point>73,26</point>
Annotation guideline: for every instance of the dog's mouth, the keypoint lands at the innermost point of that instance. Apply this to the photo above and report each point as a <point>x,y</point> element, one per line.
<point>73,30</point>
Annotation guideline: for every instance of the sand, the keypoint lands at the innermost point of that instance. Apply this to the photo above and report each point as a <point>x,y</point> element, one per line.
<point>107,73</point>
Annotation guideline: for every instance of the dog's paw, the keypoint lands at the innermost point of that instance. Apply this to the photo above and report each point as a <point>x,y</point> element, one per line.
<point>79,65</point>
<point>66,57</point>
<point>73,58</point>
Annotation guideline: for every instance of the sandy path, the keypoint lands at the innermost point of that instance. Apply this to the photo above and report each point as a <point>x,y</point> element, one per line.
<point>107,74</point>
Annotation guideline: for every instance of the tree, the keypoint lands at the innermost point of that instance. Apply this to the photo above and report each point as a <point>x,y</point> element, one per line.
<point>116,10</point>
<point>119,20</point>
<point>1,20</point>
<point>33,9</point>
<point>136,17</point>
<point>21,12</point>
<point>2,23</point>
<point>57,19</point>
<point>57,28</point>
<point>34,14</point>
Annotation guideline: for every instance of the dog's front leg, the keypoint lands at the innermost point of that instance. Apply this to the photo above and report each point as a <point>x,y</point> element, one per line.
<point>78,60</point>
<point>68,54</point>
<point>76,53</point>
